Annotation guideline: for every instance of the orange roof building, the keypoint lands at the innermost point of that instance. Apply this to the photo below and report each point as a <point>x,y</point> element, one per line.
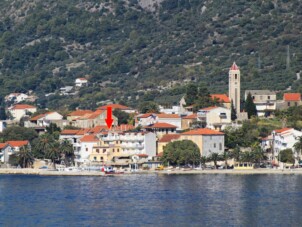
<point>18,143</point>
<point>222,98</point>
<point>292,97</point>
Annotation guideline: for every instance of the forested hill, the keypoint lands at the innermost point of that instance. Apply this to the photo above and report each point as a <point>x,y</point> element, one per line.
<point>126,47</point>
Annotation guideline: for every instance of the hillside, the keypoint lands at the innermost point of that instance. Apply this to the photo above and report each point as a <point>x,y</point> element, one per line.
<point>125,48</point>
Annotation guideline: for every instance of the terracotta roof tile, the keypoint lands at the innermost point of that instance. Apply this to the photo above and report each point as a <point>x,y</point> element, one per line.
<point>18,143</point>
<point>209,108</point>
<point>160,115</point>
<point>70,131</point>
<point>169,137</point>
<point>192,116</point>
<point>282,130</point>
<point>3,145</point>
<point>220,98</point>
<point>234,67</point>
<point>161,125</point>
<point>292,97</point>
<point>89,138</point>
<point>22,107</point>
<point>80,113</point>
<point>202,131</point>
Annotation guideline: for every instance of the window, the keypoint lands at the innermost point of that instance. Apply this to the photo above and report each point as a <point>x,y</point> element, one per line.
<point>86,149</point>
<point>296,104</point>
<point>214,145</point>
<point>288,104</point>
<point>235,76</point>
<point>113,150</point>
<point>94,158</point>
<point>104,150</point>
<point>268,97</point>
<point>97,150</point>
<point>102,158</point>
<point>118,150</point>
<point>220,146</point>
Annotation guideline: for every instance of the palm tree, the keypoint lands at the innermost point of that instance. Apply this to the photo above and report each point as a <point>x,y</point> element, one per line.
<point>203,160</point>
<point>298,145</point>
<point>67,152</point>
<point>54,153</point>
<point>25,157</point>
<point>43,144</point>
<point>215,157</point>
<point>225,156</point>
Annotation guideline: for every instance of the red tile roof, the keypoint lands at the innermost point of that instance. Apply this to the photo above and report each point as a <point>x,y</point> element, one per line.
<point>18,143</point>
<point>220,98</point>
<point>22,107</point>
<point>80,113</point>
<point>143,155</point>
<point>282,130</point>
<point>209,108</point>
<point>202,131</point>
<point>98,129</point>
<point>169,137</point>
<point>3,145</point>
<point>161,125</point>
<point>123,127</point>
<point>292,97</point>
<point>89,138</point>
<point>192,116</point>
<point>234,67</point>
<point>114,106</point>
<point>70,131</point>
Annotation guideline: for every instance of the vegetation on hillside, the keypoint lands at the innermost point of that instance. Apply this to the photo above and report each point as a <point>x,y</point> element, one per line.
<point>127,52</point>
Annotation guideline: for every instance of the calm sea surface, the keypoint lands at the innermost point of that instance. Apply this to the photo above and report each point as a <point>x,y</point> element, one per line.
<point>141,200</point>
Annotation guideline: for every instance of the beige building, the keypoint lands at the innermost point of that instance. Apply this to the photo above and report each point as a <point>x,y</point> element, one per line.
<point>264,100</point>
<point>208,141</point>
<point>234,86</point>
<point>162,143</point>
<point>188,121</point>
<point>289,100</point>
<point>222,99</point>
<point>214,117</point>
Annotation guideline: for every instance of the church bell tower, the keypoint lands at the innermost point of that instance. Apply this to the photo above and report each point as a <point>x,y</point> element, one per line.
<point>234,86</point>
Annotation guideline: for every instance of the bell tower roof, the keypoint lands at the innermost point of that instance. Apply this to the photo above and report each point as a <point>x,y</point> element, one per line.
<point>234,66</point>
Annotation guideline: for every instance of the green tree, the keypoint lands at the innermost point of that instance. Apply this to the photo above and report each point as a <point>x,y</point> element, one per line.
<point>298,145</point>
<point>54,153</point>
<point>67,152</point>
<point>18,133</point>
<point>286,156</point>
<point>122,116</point>
<point>148,107</point>
<point>233,112</point>
<point>3,115</point>
<point>181,152</point>
<point>25,157</point>
<point>43,145</point>
<point>191,94</point>
<point>250,106</point>
<point>215,157</point>
<point>53,130</point>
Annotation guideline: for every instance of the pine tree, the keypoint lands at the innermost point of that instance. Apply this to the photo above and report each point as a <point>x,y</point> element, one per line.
<point>233,112</point>
<point>191,94</point>
<point>250,106</point>
<point>2,109</point>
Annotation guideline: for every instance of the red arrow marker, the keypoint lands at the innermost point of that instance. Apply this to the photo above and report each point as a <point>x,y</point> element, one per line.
<point>109,119</point>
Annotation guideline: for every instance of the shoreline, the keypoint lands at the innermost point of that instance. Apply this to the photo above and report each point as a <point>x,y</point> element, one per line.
<point>162,172</point>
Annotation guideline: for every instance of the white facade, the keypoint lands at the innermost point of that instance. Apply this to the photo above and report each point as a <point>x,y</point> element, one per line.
<point>132,143</point>
<point>85,150</point>
<point>80,82</point>
<point>2,125</point>
<point>48,118</point>
<point>212,144</point>
<point>215,117</point>
<point>151,119</point>
<point>19,111</point>
<point>172,110</point>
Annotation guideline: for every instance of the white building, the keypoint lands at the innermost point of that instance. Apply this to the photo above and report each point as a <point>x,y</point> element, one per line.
<point>21,110</point>
<point>281,139</point>
<point>87,142</point>
<point>81,82</point>
<point>132,143</point>
<point>16,97</point>
<point>44,120</point>
<point>2,125</point>
<point>264,100</point>
<point>11,147</point>
<point>214,117</point>
<point>152,118</point>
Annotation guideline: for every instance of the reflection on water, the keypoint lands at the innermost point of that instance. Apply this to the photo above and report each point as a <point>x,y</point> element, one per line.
<point>165,200</point>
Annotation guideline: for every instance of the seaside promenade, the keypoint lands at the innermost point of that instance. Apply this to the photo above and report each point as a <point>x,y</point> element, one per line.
<point>165,172</point>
